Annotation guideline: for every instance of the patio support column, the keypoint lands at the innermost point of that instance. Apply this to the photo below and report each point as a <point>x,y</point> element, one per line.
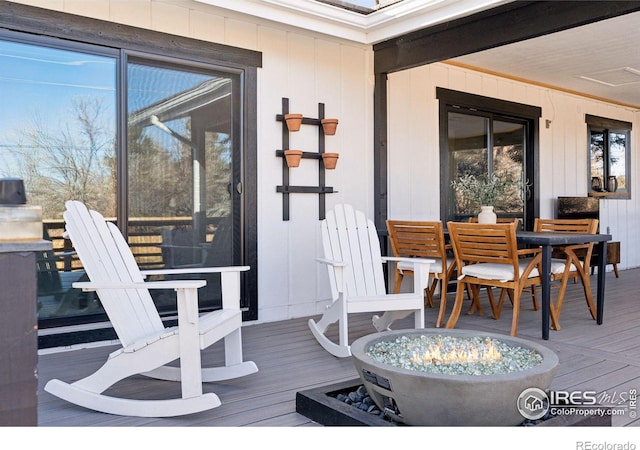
<point>19,332</point>
<point>380,151</point>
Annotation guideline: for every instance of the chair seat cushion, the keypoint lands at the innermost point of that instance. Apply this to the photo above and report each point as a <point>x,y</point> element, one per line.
<point>557,266</point>
<point>495,271</point>
<point>436,267</point>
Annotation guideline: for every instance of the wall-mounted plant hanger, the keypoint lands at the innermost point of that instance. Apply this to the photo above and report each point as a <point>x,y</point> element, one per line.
<point>321,189</point>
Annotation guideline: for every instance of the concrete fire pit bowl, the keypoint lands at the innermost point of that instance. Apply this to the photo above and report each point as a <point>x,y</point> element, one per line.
<point>428,399</point>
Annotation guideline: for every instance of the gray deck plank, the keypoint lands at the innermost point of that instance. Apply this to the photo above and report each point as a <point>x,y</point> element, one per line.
<point>601,358</point>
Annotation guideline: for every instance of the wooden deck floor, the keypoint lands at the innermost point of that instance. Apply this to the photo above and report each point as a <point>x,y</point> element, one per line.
<point>602,358</point>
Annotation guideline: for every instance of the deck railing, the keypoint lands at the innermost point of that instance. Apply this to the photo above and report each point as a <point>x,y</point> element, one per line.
<point>144,239</point>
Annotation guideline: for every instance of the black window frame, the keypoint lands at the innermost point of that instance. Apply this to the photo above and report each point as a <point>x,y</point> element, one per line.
<point>607,126</point>
<point>529,115</point>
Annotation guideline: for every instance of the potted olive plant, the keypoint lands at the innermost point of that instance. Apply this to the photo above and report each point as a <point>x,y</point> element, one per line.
<point>473,193</point>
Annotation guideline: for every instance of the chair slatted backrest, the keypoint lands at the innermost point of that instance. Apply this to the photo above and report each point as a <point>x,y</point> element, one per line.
<point>586,226</point>
<point>517,220</point>
<point>418,239</point>
<point>348,236</point>
<point>107,258</point>
<point>484,243</point>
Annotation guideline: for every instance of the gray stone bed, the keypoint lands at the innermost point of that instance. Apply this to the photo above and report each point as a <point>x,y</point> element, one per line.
<point>361,400</point>
<point>347,403</point>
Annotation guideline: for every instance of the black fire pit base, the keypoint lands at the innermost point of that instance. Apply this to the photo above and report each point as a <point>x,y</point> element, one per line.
<point>322,406</point>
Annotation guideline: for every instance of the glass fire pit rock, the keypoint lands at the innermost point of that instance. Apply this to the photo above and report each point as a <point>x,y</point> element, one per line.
<point>432,399</point>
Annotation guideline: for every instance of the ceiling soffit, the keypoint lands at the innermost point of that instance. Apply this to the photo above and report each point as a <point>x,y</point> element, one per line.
<point>393,20</point>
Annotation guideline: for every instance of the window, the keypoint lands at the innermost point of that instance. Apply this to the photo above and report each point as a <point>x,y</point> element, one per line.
<point>485,138</point>
<point>57,124</point>
<point>609,163</point>
<point>58,133</point>
<point>156,133</point>
<point>471,135</point>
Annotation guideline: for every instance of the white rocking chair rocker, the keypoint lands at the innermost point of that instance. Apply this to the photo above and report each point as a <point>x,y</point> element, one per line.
<point>354,261</point>
<point>147,346</point>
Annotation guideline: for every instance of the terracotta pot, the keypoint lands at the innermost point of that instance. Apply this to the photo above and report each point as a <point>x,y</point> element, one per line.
<point>330,160</point>
<point>293,121</point>
<point>329,126</point>
<point>293,157</point>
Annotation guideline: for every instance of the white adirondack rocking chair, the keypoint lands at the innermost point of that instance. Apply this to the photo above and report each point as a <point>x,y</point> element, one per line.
<point>353,258</point>
<point>147,346</point>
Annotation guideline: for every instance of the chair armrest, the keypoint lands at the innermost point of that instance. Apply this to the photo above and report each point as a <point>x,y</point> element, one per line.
<point>409,260</point>
<point>575,247</point>
<point>194,270</point>
<point>575,258</point>
<point>528,251</point>
<point>88,286</point>
<point>186,292</point>
<point>420,270</point>
<point>558,251</point>
<point>338,267</point>
<point>332,262</point>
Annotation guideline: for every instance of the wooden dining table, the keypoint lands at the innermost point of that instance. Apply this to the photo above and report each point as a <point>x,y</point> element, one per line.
<point>549,239</point>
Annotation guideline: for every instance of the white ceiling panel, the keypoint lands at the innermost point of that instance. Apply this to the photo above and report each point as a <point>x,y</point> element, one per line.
<point>600,59</point>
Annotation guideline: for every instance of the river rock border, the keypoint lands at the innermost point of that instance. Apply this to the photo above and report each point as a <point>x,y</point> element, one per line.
<point>323,407</point>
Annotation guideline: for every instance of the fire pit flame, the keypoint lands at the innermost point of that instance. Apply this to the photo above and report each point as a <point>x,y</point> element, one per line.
<point>438,354</point>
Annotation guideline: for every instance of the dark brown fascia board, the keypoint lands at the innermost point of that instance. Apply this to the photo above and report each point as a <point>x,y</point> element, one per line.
<point>45,22</point>
<point>505,24</point>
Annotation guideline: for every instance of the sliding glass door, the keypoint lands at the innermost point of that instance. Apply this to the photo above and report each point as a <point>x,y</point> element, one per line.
<point>486,146</point>
<point>180,162</point>
<point>487,137</point>
<point>152,144</point>
<point>58,134</point>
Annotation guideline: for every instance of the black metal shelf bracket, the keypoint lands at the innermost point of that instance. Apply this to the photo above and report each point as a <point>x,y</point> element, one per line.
<point>321,189</point>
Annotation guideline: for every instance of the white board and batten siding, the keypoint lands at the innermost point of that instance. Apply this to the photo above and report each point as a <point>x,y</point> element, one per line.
<point>308,68</point>
<point>414,155</point>
<point>311,68</point>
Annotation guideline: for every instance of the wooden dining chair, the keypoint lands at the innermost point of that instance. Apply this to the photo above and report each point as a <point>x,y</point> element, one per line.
<point>423,239</point>
<point>570,261</point>
<point>488,255</point>
<point>476,304</point>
